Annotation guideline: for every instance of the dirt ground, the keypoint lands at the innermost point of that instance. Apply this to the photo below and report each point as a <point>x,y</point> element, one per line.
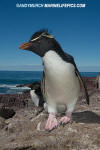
<point>24,129</point>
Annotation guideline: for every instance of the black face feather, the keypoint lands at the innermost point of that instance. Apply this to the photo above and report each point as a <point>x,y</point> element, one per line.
<point>38,33</point>
<point>42,42</point>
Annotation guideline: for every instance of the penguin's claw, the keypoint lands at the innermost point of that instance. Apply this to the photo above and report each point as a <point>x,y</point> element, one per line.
<point>65,120</point>
<point>51,122</point>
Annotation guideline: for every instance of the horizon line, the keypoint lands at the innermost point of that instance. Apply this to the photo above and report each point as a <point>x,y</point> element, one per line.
<point>40,68</point>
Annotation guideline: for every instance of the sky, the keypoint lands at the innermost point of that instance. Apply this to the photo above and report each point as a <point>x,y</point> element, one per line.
<point>76,29</point>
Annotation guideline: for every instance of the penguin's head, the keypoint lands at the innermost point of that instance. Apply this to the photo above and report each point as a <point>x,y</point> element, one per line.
<point>40,43</point>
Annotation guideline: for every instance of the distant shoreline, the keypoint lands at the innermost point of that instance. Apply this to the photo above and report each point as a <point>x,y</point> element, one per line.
<point>10,80</point>
<point>40,71</point>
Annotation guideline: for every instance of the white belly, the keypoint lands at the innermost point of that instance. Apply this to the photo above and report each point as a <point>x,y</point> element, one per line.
<point>62,88</point>
<point>61,83</point>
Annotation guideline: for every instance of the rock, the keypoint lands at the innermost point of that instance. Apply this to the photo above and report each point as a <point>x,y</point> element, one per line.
<point>72,130</point>
<point>15,101</point>
<point>2,123</point>
<point>33,85</point>
<point>6,112</point>
<point>25,129</point>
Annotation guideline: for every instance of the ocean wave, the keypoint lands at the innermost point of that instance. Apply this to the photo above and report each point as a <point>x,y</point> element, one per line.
<point>13,87</point>
<point>7,86</point>
<point>20,88</point>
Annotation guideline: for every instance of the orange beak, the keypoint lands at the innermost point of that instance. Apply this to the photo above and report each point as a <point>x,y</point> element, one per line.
<point>25,46</point>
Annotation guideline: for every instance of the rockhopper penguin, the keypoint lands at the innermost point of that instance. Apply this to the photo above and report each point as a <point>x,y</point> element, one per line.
<point>61,78</point>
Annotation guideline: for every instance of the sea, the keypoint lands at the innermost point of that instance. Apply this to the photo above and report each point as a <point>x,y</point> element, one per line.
<point>10,80</point>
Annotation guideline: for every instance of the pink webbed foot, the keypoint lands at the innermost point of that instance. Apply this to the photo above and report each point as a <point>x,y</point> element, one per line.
<point>51,122</point>
<point>66,119</point>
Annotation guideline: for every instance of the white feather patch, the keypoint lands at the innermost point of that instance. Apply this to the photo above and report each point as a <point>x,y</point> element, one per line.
<point>61,83</point>
<point>34,98</point>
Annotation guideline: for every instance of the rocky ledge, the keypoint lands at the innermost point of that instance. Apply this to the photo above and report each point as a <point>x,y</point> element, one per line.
<point>22,125</point>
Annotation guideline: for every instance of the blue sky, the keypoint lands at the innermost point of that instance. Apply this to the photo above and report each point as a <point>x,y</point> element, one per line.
<point>76,29</point>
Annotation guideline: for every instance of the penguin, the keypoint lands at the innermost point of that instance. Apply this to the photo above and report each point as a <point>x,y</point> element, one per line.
<point>61,80</point>
<point>36,94</point>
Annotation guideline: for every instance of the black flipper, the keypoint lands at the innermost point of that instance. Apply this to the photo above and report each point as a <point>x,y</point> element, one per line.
<point>43,85</point>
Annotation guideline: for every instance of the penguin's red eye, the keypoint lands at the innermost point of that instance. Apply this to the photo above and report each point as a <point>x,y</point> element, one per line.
<point>38,41</point>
